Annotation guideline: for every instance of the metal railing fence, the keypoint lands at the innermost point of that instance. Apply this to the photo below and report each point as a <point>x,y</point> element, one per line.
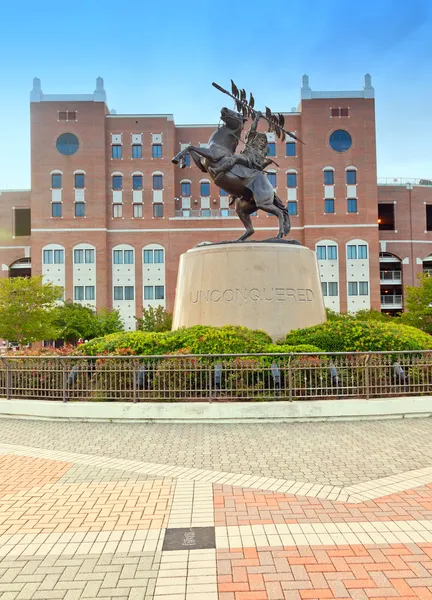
<point>223,378</point>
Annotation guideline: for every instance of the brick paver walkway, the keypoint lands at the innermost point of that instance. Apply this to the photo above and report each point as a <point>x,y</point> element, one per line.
<point>85,509</point>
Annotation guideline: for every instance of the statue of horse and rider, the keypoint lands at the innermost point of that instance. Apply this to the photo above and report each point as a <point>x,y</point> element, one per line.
<point>240,175</point>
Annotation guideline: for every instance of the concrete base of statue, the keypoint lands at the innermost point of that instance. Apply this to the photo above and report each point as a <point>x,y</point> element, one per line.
<point>271,285</point>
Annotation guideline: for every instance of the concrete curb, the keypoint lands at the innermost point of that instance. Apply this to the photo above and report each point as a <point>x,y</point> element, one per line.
<point>213,412</point>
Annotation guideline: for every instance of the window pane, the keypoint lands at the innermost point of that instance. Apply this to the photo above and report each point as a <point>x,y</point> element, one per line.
<point>79,209</point>
<point>90,256</point>
<point>328,177</point>
<point>324,288</point>
<point>344,112</point>
<point>148,257</point>
<point>186,189</point>
<point>157,151</point>
<point>117,211</point>
<point>351,252</point>
<point>137,151</point>
<point>329,206</point>
<point>79,181</point>
<point>137,210</point>
<point>117,182</point>
<point>78,256</point>
<point>321,252</point>
<point>272,178</point>
<point>332,252</point>
<point>58,257</point>
<point>118,292</point>
<point>159,256</point>
<point>159,292</point>
<point>116,151</point>
<point>157,182</point>
<point>224,212</point>
<point>362,251</point>
<point>128,257</point>
<point>290,149</point>
<point>89,292</point>
<point>292,180</point>
<point>137,182</point>
<point>118,257</point>
<point>148,292</point>
<point>56,209</point>
<point>352,288</point>
<point>205,188</point>
<point>271,149</point>
<point>187,160</point>
<point>351,177</point>
<point>292,208</point>
<point>352,205</point>
<point>363,288</point>
<point>129,292</point>
<point>158,210</point>
<point>333,289</point>
<point>56,182</point>
<point>334,112</point>
<point>48,257</point>
<point>79,292</point>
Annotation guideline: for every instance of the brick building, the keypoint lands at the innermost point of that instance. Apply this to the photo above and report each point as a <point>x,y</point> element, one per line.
<point>110,213</point>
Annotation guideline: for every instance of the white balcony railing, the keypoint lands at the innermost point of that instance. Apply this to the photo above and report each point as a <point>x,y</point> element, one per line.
<point>204,213</point>
<point>403,181</point>
<point>391,301</point>
<point>390,276</point>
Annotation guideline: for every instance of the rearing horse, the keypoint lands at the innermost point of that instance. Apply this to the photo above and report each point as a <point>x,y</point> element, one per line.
<point>250,187</point>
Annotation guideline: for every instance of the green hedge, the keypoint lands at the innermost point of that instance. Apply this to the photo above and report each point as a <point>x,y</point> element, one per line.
<point>298,348</point>
<point>346,335</point>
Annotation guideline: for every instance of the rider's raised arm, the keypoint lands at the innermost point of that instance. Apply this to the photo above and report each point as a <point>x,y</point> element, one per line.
<point>254,125</point>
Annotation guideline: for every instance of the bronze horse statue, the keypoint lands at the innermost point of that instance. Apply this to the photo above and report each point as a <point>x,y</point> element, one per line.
<point>249,187</point>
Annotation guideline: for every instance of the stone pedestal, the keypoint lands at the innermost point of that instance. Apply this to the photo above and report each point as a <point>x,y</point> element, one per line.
<point>260,285</point>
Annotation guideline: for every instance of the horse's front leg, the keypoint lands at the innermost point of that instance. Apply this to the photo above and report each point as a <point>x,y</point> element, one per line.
<point>204,152</point>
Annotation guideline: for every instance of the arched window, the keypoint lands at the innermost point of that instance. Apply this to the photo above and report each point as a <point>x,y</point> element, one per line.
<point>328,176</point>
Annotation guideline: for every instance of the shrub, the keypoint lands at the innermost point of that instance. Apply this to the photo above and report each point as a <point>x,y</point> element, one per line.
<point>299,348</point>
<point>350,335</point>
<point>154,319</point>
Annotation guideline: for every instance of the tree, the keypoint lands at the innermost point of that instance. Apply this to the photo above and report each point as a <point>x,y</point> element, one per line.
<point>418,304</point>
<point>109,321</point>
<point>155,319</point>
<point>27,309</point>
<point>75,321</point>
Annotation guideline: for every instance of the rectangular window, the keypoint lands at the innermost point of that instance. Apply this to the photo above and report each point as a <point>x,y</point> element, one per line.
<point>224,212</point>
<point>117,182</point>
<point>272,178</point>
<point>79,209</point>
<point>321,252</point>
<point>89,292</point>
<point>129,292</point>
<point>159,292</point>
<point>157,151</point>
<point>56,209</point>
<point>205,188</point>
<point>185,188</point>
<point>148,257</point>
<point>334,112</point>
<point>90,256</point>
<point>159,256</point>
<point>328,177</point>
<point>47,257</point>
<point>332,252</point>
<point>117,211</point>
<point>78,257</point>
<point>223,193</point>
<point>428,217</point>
<point>137,182</point>
<point>291,180</point>
<point>290,149</point>
<point>344,112</point>
<point>137,151</point>
<point>56,181</point>
<point>118,257</point>
<point>79,181</point>
<point>362,251</point>
<point>271,148</point>
<point>158,210</point>
<point>333,288</point>
<point>22,224</point>
<point>329,206</point>
<point>128,257</point>
<point>148,292</point>
<point>324,288</point>
<point>292,207</point>
<point>206,212</point>
<point>157,182</point>
<point>116,151</point>
<point>351,177</point>
<point>187,160</point>
<point>79,292</point>
<point>58,257</point>
<point>352,205</point>
<point>386,217</point>
<point>118,292</point>
<point>363,288</point>
<point>351,252</point>
<point>137,211</point>
<point>62,115</point>
<point>352,288</point>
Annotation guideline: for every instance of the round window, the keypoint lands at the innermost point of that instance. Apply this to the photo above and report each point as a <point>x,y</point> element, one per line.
<point>67,143</point>
<point>340,140</point>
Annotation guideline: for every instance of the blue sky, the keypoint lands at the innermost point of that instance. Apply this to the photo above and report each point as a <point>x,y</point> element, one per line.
<point>162,57</point>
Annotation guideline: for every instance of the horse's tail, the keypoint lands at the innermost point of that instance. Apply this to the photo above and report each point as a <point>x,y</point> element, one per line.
<point>287,221</point>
